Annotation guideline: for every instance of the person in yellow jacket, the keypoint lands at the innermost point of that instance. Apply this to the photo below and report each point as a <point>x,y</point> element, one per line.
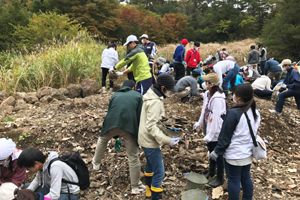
<point>140,66</point>
<point>151,137</point>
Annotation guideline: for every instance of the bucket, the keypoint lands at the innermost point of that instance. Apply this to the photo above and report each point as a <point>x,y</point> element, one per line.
<point>195,181</point>
<point>194,194</point>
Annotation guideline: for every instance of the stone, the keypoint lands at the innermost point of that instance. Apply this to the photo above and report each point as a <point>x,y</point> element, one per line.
<point>74,91</point>
<point>3,95</point>
<point>64,91</point>
<point>20,105</point>
<point>46,99</point>
<point>20,95</point>
<point>89,87</point>
<point>31,98</point>
<point>56,94</point>
<point>9,101</point>
<point>44,91</point>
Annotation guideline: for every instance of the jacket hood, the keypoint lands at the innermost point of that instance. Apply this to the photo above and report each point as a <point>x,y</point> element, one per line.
<point>150,95</point>
<point>217,95</point>
<point>51,156</point>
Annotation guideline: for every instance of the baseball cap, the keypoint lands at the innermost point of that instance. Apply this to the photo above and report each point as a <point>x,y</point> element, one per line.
<point>144,36</point>
<point>130,38</point>
<point>167,81</point>
<point>285,62</point>
<point>212,78</point>
<point>196,71</point>
<point>184,41</point>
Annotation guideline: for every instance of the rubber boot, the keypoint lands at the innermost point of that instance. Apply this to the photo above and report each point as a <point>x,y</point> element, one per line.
<point>219,180</point>
<point>110,90</point>
<point>210,173</point>
<point>103,90</point>
<point>156,193</point>
<point>148,180</point>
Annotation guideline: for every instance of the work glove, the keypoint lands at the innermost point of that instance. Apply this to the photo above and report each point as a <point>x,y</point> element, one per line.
<point>172,69</point>
<point>283,86</point>
<point>111,70</point>
<point>213,156</point>
<point>118,144</point>
<point>201,63</point>
<point>184,63</point>
<point>196,125</point>
<point>282,89</point>
<point>174,141</point>
<point>119,73</point>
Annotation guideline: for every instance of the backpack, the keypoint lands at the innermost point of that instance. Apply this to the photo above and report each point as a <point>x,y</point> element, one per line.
<point>77,164</point>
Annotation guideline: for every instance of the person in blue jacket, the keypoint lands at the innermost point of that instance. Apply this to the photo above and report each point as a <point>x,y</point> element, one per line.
<point>179,63</point>
<point>275,70</point>
<point>292,83</point>
<point>239,80</point>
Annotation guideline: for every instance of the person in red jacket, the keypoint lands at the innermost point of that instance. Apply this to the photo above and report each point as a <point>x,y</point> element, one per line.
<point>11,175</point>
<point>192,58</point>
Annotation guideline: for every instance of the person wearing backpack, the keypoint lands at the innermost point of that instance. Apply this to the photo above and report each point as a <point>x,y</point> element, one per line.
<point>51,182</point>
<point>212,114</point>
<point>235,142</point>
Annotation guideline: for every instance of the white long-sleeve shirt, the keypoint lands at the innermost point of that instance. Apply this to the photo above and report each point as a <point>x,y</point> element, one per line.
<point>223,67</point>
<point>109,58</point>
<point>262,83</point>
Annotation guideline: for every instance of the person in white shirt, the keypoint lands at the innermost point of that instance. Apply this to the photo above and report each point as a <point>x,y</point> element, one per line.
<point>109,59</point>
<point>229,69</point>
<point>262,86</point>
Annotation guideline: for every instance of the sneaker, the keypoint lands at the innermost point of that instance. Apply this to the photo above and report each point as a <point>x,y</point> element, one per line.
<point>95,166</point>
<point>138,190</point>
<point>275,112</point>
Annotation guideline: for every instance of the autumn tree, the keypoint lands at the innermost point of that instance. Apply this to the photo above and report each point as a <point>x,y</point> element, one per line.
<point>175,27</point>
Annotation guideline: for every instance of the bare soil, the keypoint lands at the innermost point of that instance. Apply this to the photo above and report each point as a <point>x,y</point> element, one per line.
<point>74,124</point>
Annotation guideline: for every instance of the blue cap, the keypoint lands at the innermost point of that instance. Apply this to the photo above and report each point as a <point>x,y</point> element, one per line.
<point>196,71</point>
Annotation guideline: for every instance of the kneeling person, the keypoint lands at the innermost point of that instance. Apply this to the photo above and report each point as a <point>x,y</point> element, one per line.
<point>49,184</point>
<point>188,85</point>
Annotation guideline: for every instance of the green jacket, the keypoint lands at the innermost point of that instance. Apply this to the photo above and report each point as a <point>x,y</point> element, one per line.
<point>124,111</point>
<point>140,65</point>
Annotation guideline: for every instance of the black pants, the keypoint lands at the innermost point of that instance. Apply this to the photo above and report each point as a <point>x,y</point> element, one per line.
<point>219,163</point>
<point>104,74</point>
<point>189,70</point>
<point>130,76</point>
<point>179,71</point>
<point>263,93</point>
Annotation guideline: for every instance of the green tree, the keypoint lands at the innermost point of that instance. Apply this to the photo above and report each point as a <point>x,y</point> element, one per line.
<point>14,13</point>
<point>281,34</point>
<point>43,28</point>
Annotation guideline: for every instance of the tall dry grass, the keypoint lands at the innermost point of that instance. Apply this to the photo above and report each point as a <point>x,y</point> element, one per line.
<point>237,49</point>
<point>72,61</point>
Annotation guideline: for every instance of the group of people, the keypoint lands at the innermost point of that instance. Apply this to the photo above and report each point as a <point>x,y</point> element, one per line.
<point>135,109</point>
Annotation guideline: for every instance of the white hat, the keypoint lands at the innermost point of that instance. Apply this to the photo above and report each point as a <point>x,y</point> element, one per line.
<point>144,36</point>
<point>285,62</point>
<point>131,38</point>
<point>7,147</point>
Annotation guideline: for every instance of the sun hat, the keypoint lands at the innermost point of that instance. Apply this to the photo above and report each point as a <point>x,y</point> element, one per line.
<point>130,38</point>
<point>212,78</point>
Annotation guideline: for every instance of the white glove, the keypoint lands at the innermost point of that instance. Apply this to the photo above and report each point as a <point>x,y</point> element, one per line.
<point>174,141</point>
<point>119,73</point>
<point>172,69</point>
<point>196,125</point>
<point>111,70</point>
<point>213,156</point>
<point>283,86</point>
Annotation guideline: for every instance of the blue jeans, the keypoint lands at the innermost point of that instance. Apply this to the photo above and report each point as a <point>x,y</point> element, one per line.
<point>263,93</point>
<point>236,176</point>
<point>143,86</point>
<point>230,77</point>
<point>282,96</point>
<point>46,189</point>
<point>154,165</point>
<point>262,67</point>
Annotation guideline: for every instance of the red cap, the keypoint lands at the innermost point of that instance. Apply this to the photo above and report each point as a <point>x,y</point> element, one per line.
<point>184,41</point>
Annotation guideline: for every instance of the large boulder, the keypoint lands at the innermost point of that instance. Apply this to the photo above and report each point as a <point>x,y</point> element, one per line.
<point>74,91</point>
<point>89,87</point>
<point>31,98</point>
<point>44,91</point>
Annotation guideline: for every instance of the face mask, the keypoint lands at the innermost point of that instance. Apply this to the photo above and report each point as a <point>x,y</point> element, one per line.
<point>204,86</point>
<point>196,48</point>
<point>284,69</point>
<point>233,99</point>
<point>143,41</point>
<point>168,93</point>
